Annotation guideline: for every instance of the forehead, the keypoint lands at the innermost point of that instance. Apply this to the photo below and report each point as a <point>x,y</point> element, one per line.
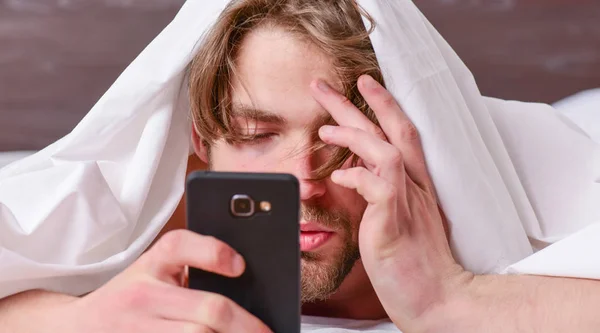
<point>274,69</point>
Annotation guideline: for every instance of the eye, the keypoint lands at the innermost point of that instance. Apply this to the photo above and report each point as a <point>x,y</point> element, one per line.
<point>259,138</point>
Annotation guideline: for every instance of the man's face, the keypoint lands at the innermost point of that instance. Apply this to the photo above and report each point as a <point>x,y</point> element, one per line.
<point>273,74</point>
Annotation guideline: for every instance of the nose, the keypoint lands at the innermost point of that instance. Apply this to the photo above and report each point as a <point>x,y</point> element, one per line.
<point>310,189</point>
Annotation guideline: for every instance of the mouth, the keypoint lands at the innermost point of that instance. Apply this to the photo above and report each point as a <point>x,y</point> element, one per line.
<point>313,236</point>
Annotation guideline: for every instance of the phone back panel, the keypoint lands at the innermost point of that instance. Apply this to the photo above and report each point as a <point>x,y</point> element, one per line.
<point>269,242</point>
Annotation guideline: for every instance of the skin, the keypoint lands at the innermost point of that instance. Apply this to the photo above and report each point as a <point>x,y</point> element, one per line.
<point>407,271</point>
<point>264,55</point>
<point>403,242</point>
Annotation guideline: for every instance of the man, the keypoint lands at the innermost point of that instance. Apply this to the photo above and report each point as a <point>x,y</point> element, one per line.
<point>383,207</point>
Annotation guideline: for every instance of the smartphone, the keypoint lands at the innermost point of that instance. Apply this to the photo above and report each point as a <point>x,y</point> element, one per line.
<point>257,214</point>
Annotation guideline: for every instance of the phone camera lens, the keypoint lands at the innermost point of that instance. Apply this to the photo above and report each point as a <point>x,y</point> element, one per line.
<point>242,205</point>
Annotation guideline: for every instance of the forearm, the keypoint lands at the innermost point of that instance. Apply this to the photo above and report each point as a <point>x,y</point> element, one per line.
<point>522,304</point>
<point>31,311</point>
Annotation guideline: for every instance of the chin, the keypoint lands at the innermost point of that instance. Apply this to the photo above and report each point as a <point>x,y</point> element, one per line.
<point>329,252</point>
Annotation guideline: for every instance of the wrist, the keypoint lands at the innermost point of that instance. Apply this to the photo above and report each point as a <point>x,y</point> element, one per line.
<point>456,306</point>
<point>33,311</point>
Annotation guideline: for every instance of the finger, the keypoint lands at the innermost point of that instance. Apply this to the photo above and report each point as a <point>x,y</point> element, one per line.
<point>391,200</point>
<point>379,156</point>
<point>398,128</point>
<point>177,249</point>
<point>191,328</point>
<point>342,110</point>
<point>375,190</point>
<point>203,309</point>
<point>173,326</point>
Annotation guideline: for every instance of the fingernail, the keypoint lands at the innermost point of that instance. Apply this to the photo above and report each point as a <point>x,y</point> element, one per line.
<point>326,129</point>
<point>323,86</point>
<point>238,264</point>
<point>370,83</point>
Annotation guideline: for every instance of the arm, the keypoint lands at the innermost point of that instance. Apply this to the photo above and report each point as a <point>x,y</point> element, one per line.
<point>146,297</point>
<point>404,246</point>
<point>28,311</point>
<point>497,303</point>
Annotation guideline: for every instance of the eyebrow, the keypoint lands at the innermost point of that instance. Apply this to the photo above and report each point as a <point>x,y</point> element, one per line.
<point>248,112</point>
<point>321,120</point>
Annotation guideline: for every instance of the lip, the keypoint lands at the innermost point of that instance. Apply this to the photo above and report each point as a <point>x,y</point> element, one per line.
<point>310,226</point>
<point>313,236</point>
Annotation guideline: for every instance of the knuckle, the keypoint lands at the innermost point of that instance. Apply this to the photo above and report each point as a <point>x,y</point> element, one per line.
<point>360,172</point>
<point>352,135</point>
<point>146,260</point>
<point>346,102</point>
<point>137,295</point>
<point>344,131</point>
<point>362,176</point>
<point>409,131</point>
<point>389,193</point>
<point>396,159</point>
<point>195,328</point>
<point>170,242</point>
<point>217,309</point>
<point>379,132</point>
<point>389,101</point>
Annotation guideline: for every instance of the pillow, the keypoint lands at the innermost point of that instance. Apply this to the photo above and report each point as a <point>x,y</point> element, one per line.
<point>583,109</point>
<point>7,157</point>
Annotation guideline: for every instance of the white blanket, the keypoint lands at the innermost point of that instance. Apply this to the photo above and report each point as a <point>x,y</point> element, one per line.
<point>8,157</point>
<point>512,177</point>
<point>583,109</point>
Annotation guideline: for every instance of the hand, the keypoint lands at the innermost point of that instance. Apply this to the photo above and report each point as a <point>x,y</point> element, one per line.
<point>148,297</point>
<point>402,240</point>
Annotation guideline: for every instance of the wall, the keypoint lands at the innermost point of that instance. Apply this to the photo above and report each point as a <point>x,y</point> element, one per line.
<point>57,57</point>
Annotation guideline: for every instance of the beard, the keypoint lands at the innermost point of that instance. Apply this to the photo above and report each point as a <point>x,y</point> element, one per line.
<point>322,275</point>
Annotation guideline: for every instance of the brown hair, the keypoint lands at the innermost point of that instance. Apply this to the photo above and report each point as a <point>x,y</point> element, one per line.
<point>334,26</point>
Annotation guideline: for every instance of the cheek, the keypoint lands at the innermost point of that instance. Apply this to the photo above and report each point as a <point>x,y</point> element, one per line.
<point>357,206</point>
<point>349,200</point>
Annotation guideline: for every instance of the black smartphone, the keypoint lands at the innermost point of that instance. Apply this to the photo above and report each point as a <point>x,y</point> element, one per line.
<point>257,214</point>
